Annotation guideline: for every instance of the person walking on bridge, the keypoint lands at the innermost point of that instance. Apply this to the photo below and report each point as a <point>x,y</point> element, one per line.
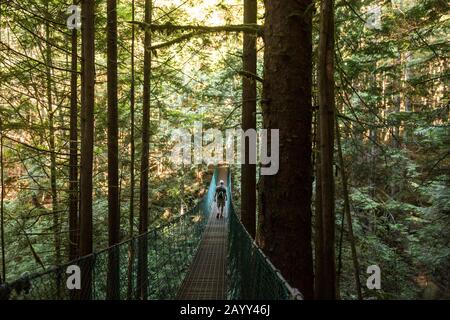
<point>220,197</point>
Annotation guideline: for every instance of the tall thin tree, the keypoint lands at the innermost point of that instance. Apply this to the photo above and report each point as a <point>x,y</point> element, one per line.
<point>142,276</point>
<point>318,227</point>
<point>132,156</point>
<point>327,118</point>
<point>285,198</point>
<point>248,177</point>
<point>74,231</point>
<point>347,213</point>
<point>73,158</point>
<point>87,143</point>
<point>2,207</point>
<point>52,147</point>
<point>2,196</point>
<point>113,154</point>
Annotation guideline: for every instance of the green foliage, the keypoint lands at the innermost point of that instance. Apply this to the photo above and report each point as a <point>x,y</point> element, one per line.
<point>391,94</point>
<point>394,113</point>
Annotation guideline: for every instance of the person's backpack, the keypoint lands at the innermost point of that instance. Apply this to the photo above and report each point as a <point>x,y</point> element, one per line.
<point>221,194</point>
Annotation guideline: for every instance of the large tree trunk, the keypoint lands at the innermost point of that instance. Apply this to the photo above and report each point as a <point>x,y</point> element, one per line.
<point>285,198</point>
<point>142,276</point>
<point>326,109</point>
<point>113,155</point>
<point>87,144</point>
<point>73,158</point>
<point>248,177</point>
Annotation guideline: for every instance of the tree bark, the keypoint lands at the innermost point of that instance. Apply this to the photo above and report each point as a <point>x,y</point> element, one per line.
<point>285,198</point>
<point>142,276</point>
<point>132,159</point>
<point>113,155</point>
<point>2,208</point>
<point>2,195</point>
<point>87,144</point>
<point>248,177</point>
<point>326,107</point>
<point>318,228</point>
<point>73,158</point>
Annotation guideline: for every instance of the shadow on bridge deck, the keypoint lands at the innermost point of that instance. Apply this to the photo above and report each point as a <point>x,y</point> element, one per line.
<point>206,279</point>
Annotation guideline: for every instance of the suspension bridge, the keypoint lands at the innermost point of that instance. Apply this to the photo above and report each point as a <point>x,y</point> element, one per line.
<point>193,257</point>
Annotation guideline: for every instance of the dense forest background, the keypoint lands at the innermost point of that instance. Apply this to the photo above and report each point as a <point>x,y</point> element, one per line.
<point>392,107</point>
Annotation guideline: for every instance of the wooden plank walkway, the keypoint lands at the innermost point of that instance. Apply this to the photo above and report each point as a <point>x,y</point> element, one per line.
<point>206,279</point>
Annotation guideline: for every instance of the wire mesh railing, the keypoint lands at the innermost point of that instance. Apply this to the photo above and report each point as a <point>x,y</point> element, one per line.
<point>170,250</point>
<point>251,275</point>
